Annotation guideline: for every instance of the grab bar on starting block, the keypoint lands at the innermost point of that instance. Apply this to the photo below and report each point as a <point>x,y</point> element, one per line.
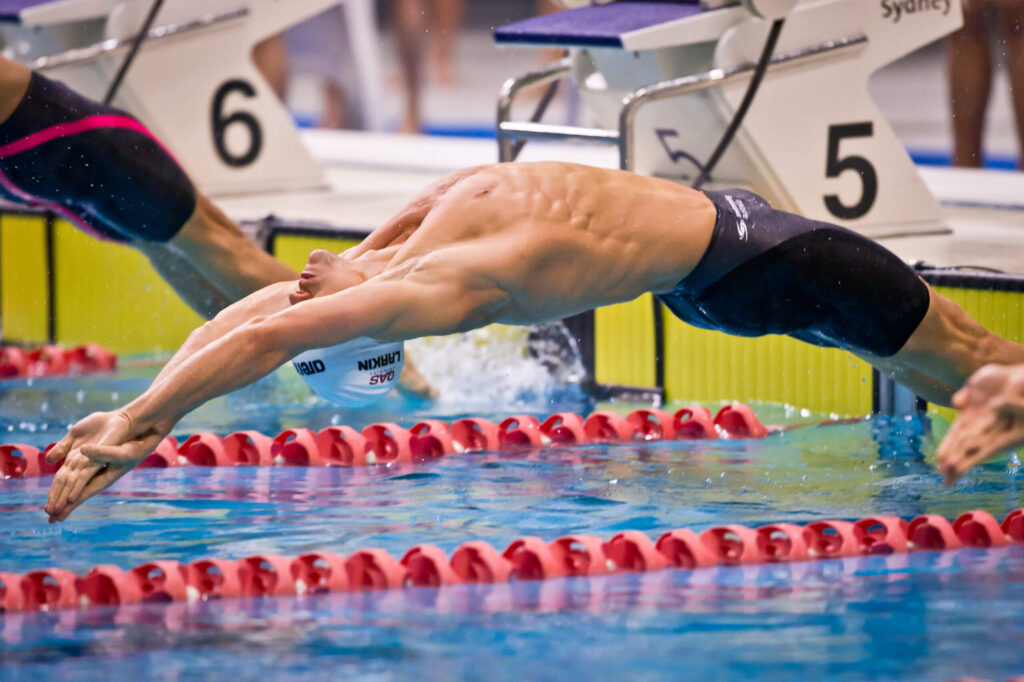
<point>509,131</point>
<point>111,46</point>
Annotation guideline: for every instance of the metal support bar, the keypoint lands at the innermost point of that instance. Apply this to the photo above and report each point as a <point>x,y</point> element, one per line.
<point>511,88</point>
<point>713,78</point>
<point>625,137</point>
<point>111,46</point>
<point>893,398</point>
<point>544,131</point>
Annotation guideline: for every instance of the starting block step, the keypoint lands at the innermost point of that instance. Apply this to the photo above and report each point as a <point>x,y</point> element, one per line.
<point>42,12</point>
<point>595,25</point>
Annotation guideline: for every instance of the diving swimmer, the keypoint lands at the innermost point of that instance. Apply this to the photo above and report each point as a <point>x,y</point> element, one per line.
<point>521,243</point>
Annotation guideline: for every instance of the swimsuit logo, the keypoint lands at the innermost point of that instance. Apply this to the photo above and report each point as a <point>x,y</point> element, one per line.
<point>897,8</point>
<point>380,361</point>
<point>307,368</point>
<point>741,216</point>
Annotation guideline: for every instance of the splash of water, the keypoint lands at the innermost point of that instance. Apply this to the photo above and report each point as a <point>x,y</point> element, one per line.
<point>503,368</point>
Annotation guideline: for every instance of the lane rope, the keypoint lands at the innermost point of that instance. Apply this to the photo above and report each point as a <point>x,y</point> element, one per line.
<point>525,559</point>
<point>387,442</point>
<point>53,361</point>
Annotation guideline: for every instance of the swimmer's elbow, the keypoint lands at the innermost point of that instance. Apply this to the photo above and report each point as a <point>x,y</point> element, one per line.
<point>264,337</point>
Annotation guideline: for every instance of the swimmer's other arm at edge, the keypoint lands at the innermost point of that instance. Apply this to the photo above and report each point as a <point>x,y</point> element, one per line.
<point>380,308</point>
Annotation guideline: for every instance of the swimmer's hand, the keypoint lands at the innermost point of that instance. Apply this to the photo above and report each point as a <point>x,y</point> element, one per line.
<point>991,419</point>
<point>97,451</point>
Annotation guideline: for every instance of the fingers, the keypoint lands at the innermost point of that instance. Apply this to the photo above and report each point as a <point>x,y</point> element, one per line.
<point>60,450</point>
<point>56,488</point>
<point>111,454</point>
<point>69,481</point>
<point>1009,406</point>
<point>973,451</point>
<point>101,481</point>
<point>129,453</point>
<point>969,426</point>
<point>960,399</point>
<point>84,473</point>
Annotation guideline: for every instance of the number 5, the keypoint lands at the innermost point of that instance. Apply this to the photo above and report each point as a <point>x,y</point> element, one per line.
<point>834,165</point>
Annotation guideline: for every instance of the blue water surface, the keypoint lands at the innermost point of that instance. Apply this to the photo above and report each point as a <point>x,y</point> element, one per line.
<point>925,616</point>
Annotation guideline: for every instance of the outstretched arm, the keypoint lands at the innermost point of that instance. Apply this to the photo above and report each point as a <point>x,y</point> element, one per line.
<point>116,427</point>
<point>380,308</point>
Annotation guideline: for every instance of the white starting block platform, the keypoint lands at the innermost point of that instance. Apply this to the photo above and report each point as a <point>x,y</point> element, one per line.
<point>371,175</point>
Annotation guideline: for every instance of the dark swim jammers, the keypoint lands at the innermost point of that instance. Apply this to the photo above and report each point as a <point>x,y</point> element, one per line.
<point>771,272</point>
<point>93,165</point>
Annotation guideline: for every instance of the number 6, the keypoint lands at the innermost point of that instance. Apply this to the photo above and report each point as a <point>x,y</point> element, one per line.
<point>220,124</point>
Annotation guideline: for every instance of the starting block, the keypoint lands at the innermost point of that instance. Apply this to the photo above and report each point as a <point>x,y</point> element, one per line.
<point>663,80</point>
<point>192,82</point>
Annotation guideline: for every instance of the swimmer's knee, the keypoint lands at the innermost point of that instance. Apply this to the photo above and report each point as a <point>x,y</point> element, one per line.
<point>14,80</point>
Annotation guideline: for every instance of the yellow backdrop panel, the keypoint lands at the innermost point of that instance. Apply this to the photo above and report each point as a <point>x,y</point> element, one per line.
<point>709,366</point>
<point>624,343</point>
<point>704,365</point>
<point>293,250</point>
<point>24,288</point>
<point>109,294</point>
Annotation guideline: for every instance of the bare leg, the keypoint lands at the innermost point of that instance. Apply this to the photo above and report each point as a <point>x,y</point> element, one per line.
<point>225,257</point>
<point>409,28</point>
<point>449,22</point>
<point>970,80</point>
<point>14,80</point>
<point>1011,23</point>
<point>335,108</point>
<point>945,349</point>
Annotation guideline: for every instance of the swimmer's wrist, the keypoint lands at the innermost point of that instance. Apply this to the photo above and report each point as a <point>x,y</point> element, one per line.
<point>141,418</point>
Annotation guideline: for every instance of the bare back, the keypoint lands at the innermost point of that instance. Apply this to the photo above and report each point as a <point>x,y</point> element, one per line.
<point>555,238</point>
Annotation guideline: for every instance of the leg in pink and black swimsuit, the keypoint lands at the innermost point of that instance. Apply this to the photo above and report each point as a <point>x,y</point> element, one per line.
<point>93,165</point>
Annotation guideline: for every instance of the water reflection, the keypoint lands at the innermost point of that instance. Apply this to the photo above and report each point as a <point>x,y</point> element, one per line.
<point>854,618</point>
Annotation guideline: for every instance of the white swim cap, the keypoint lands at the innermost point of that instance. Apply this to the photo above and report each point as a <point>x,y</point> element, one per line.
<point>354,373</point>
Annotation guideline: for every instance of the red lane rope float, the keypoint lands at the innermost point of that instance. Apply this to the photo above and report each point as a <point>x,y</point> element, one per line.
<point>51,361</point>
<point>386,442</point>
<point>527,558</point>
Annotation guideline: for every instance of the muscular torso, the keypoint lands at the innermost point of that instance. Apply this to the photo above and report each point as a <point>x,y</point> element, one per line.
<point>549,239</point>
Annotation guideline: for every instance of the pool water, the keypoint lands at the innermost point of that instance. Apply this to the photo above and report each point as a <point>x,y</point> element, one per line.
<point>925,616</point>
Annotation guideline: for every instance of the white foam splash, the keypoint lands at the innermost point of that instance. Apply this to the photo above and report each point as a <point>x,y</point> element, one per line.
<point>500,368</point>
